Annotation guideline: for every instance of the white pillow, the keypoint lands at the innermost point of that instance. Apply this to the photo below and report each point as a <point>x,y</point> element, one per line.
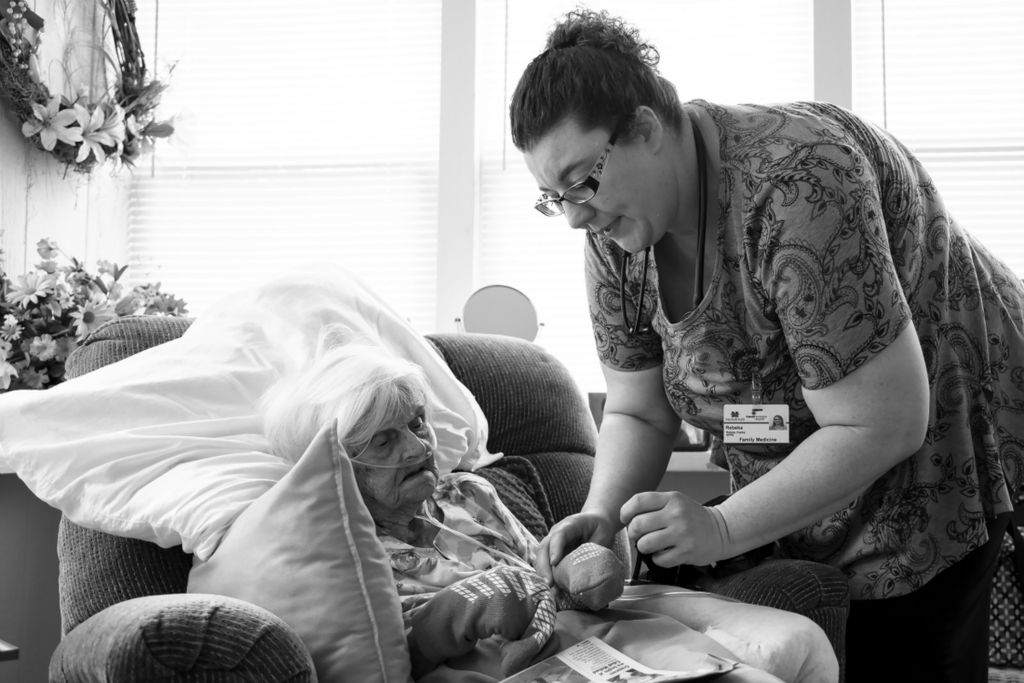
<point>282,320</point>
<point>307,551</point>
<point>162,446</point>
<point>167,446</point>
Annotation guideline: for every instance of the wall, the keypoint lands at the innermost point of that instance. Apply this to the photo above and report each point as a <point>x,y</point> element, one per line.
<point>88,218</point>
<point>38,197</point>
<point>87,215</point>
<point>29,616</point>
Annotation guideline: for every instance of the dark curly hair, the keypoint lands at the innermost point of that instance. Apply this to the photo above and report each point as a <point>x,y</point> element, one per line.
<point>596,68</point>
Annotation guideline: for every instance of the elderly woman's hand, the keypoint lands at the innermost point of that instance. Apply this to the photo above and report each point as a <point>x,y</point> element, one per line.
<point>675,529</point>
<point>510,602</point>
<point>568,534</point>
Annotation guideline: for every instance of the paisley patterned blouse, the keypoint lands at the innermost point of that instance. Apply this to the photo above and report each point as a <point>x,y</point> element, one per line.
<point>476,532</point>
<point>831,239</point>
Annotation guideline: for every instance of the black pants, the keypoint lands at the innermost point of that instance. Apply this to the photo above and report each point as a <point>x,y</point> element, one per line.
<point>937,634</point>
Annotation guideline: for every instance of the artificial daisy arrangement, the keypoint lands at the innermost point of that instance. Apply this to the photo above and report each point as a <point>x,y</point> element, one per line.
<point>45,313</point>
<point>82,133</point>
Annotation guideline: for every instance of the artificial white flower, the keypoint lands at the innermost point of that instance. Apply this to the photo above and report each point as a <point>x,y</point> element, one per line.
<point>99,131</point>
<point>52,124</point>
<point>47,249</point>
<point>91,315</point>
<point>8,373</point>
<point>113,124</point>
<point>30,289</point>
<point>10,330</point>
<point>43,347</point>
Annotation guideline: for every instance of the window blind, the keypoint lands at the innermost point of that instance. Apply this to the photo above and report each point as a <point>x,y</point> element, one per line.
<point>947,78</point>
<point>310,130</point>
<point>735,51</point>
<point>306,131</point>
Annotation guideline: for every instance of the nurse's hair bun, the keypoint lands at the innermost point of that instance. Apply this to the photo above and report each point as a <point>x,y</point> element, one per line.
<point>597,29</point>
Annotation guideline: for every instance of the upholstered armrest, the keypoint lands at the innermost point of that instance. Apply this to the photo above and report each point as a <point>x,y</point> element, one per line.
<point>185,637</point>
<point>818,591</point>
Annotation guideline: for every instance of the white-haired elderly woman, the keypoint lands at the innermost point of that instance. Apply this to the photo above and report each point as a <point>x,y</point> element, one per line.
<point>436,529</point>
<point>451,539</point>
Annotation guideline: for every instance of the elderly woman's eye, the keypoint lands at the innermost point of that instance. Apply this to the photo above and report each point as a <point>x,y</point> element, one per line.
<point>418,424</point>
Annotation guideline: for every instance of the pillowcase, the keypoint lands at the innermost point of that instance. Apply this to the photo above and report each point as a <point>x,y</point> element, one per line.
<point>162,446</point>
<point>167,445</point>
<point>307,550</point>
<point>287,314</point>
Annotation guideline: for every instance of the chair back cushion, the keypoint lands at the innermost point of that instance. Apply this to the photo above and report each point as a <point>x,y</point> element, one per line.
<point>531,402</point>
<point>123,337</point>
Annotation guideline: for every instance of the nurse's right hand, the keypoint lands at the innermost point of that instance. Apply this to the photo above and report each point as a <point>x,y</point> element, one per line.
<point>571,532</point>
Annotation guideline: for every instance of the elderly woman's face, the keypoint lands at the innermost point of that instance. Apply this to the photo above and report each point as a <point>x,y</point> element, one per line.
<point>395,470</point>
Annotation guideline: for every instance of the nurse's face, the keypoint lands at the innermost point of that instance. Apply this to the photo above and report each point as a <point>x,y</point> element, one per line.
<point>610,186</point>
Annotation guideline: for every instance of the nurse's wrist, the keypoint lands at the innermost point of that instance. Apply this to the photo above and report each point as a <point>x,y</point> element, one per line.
<point>725,544</point>
<point>610,516</point>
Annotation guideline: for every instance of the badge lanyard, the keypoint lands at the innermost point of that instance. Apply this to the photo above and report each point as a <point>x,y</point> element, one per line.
<point>753,423</point>
<point>756,422</point>
<point>702,221</point>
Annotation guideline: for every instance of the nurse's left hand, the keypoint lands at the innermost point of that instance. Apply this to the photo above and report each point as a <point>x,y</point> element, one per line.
<point>675,529</point>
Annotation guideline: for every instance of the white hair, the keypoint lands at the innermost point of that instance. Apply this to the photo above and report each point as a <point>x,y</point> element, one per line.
<point>362,385</point>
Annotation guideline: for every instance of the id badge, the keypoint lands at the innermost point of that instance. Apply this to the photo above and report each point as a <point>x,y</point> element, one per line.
<point>755,423</point>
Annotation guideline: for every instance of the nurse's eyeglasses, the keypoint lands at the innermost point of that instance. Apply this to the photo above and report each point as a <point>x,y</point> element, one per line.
<point>579,193</point>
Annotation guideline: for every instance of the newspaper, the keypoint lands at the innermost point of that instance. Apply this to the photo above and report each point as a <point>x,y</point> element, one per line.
<point>593,660</point>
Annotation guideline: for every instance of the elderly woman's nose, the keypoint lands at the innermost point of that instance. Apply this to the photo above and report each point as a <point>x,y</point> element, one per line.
<point>413,446</point>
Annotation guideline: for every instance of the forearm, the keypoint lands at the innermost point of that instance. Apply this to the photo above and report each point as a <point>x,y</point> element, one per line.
<point>822,475</point>
<point>631,457</point>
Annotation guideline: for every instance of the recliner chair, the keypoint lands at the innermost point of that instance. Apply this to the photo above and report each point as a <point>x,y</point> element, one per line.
<point>124,610</point>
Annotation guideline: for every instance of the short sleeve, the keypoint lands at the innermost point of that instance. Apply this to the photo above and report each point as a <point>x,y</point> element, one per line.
<point>817,240</point>
<point>615,347</point>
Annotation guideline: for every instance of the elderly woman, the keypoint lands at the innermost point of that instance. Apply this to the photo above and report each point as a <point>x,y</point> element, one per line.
<point>451,540</point>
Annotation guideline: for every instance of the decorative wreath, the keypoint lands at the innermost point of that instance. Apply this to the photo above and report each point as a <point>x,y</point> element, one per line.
<point>80,133</point>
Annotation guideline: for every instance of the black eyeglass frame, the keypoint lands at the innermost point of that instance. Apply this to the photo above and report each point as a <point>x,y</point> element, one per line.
<point>551,205</point>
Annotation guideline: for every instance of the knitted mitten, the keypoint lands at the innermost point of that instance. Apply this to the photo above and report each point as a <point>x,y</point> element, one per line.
<point>503,601</point>
<point>589,578</point>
